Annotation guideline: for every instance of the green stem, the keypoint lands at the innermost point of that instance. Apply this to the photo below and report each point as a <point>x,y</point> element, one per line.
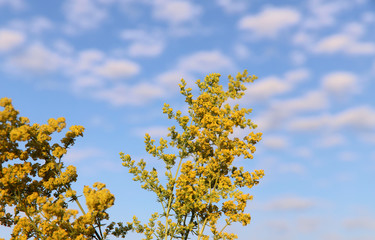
<point>226,225</point>
<point>205,221</point>
<point>37,231</point>
<point>170,200</point>
<point>79,204</point>
<point>76,199</point>
<point>34,226</point>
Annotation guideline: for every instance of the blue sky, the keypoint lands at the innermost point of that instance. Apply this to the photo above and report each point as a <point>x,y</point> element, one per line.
<point>109,65</point>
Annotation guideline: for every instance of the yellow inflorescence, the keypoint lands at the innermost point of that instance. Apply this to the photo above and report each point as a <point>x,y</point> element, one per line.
<point>35,185</point>
<point>202,182</point>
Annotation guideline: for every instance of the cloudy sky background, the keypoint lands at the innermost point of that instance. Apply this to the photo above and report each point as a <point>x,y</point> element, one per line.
<point>109,65</point>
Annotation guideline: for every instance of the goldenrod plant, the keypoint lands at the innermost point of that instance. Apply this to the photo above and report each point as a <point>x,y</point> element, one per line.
<point>200,195</point>
<point>35,185</point>
<point>202,185</point>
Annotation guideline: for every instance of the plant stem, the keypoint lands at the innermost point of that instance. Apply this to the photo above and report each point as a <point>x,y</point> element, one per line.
<point>205,221</point>
<point>170,200</point>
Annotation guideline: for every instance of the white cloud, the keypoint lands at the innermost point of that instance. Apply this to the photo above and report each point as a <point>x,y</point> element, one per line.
<point>275,142</point>
<point>331,140</point>
<point>289,204</point>
<point>118,69</point>
<point>35,25</point>
<point>344,43</point>
<point>309,225</point>
<point>85,82</point>
<point>309,123</point>
<point>144,43</point>
<point>10,39</point>
<point>271,21</point>
<point>368,17</point>
<point>311,101</point>
<point>40,24</point>
<point>135,34</point>
<point>172,77</point>
<point>37,58</point>
<point>324,12</point>
<point>267,120</point>
<point>205,62</point>
<point>85,14</point>
<point>232,6</point>
<point>303,152</point>
<point>199,62</point>
<point>176,12</point>
<point>278,226</point>
<point>368,138</point>
<point>63,47</point>
<point>266,88</point>
<point>284,110</point>
<point>354,29</point>
<point>360,118</point>
<point>154,131</point>
<point>75,155</point>
<point>297,58</point>
<point>340,83</point>
<point>120,95</point>
<point>241,51</point>
<point>295,168</point>
<point>347,156</point>
<point>302,39</point>
<point>146,49</point>
<point>297,75</point>
<point>15,4</point>
<point>88,60</point>
<point>361,223</point>
<point>90,161</point>
<point>170,80</point>
<point>360,2</point>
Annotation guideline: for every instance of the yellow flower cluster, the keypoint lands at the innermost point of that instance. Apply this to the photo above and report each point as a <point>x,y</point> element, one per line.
<point>202,184</point>
<point>98,201</point>
<point>35,184</point>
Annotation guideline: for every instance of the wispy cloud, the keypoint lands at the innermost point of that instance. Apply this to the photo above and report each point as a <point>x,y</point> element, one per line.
<point>34,25</point>
<point>176,12</point>
<point>205,62</point>
<point>232,6</point>
<point>289,204</point>
<point>324,13</point>
<point>118,68</point>
<point>358,223</point>
<point>144,43</point>
<point>360,118</point>
<point>270,21</point>
<point>13,4</point>
<point>75,155</point>
<point>331,140</point>
<point>10,39</point>
<point>344,43</point>
<point>36,58</point>
<point>341,83</point>
<point>309,102</point>
<point>275,142</point>
<point>267,88</point>
<point>120,95</point>
<point>154,131</point>
<point>83,14</point>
